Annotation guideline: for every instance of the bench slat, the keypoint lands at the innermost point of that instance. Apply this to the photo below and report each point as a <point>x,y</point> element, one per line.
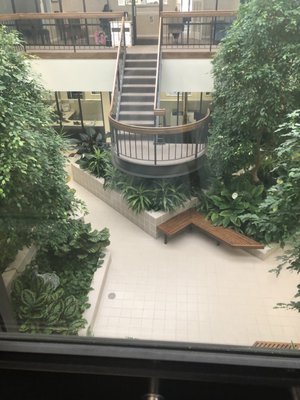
<point>193,218</point>
<point>225,235</point>
<point>277,345</point>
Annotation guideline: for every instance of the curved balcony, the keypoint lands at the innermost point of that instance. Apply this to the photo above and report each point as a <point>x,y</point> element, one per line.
<point>159,151</point>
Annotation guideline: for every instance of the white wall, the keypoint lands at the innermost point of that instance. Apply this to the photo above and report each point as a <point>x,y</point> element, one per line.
<point>75,75</point>
<point>187,75</point>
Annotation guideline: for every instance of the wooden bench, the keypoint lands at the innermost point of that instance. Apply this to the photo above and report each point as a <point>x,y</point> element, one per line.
<point>277,345</point>
<point>192,218</point>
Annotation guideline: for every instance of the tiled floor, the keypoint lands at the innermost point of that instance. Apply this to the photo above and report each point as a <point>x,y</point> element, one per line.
<point>190,290</point>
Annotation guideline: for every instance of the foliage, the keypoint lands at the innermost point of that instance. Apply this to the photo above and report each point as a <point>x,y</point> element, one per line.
<point>226,205</point>
<point>138,197</point>
<point>52,293</point>
<point>88,141</point>
<point>30,199</point>
<point>256,79</point>
<point>278,216</point>
<point>42,306</point>
<point>79,245</point>
<point>168,195</point>
<point>95,162</point>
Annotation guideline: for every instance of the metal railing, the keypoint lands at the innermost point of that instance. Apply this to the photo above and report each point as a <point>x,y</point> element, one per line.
<point>66,31</point>
<point>160,145</point>
<point>195,29</point>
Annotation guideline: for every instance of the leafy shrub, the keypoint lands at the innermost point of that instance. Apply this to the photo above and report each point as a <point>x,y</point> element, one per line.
<point>278,216</point>
<point>96,161</point>
<point>42,306</point>
<point>226,206</point>
<point>138,197</point>
<point>88,141</point>
<point>168,195</point>
<point>59,280</point>
<point>79,246</point>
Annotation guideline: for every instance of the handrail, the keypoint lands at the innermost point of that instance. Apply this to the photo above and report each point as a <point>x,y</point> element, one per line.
<point>117,84</point>
<point>62,15</point>
<point>208,13</point>
<point>157,110</point>
<point>156,130</point>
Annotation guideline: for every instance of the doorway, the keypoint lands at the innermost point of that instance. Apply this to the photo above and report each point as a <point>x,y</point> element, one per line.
<point>146,21</point>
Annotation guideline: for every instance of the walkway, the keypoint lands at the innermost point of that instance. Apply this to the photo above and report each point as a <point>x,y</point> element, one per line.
<point>190,290</point>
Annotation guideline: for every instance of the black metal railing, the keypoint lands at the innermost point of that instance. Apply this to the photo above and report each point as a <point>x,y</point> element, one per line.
<point>196,29</point>
<point>66,31</point>
<point>160,145</point>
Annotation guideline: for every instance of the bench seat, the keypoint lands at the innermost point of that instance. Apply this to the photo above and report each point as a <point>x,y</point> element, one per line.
<point>277,345</point>
<point>194,219</point>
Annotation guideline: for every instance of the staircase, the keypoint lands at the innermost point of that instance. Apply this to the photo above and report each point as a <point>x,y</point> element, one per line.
<point>137,96</point>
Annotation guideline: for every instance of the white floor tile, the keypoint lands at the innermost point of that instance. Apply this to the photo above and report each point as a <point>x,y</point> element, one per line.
<point>189,290</point>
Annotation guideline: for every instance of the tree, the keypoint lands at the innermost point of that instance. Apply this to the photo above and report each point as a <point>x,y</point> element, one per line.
<point>256,79</point>
<point>34,195</point>
<point>279,213</point>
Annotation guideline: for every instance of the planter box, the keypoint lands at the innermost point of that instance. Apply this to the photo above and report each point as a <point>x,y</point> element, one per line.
<point>95,294</point>
<point>147,220</point>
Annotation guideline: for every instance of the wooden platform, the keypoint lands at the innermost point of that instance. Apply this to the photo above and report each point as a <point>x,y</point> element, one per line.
<point>277,345</point>
<point>192,218</point>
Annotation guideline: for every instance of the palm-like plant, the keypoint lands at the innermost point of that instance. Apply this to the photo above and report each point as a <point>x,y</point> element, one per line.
<point>168,196</point>
<point>138,197</point>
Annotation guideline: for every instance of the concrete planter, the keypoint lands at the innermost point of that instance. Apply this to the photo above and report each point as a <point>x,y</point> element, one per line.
<point>147,220</point>
<point>94,296</point>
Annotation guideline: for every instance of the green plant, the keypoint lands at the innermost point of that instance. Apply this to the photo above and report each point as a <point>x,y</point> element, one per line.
<point>33,189</point>
<point>138,197</point>
<point>253,94</point>
<point>42,306</point>
<point>80,246</point>
<point>114,178</point>
<point>96,162</point>
<point>226,206</point>
<point>62,272</point>
<point>277,218</point>
<point>168,195</point>
<point>88,141</point>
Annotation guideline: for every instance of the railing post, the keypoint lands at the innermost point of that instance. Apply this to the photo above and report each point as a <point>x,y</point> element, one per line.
<point>211,34</point>
<point>155,149</point>
<point>115,135</point>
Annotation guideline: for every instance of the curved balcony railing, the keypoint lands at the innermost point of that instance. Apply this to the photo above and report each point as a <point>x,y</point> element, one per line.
<point>159,151</point>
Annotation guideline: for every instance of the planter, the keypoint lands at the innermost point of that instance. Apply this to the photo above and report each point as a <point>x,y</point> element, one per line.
<point>94,296</point>
<point>146,220</point>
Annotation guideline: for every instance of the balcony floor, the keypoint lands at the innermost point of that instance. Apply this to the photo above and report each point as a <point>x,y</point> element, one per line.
<point>189,290</point>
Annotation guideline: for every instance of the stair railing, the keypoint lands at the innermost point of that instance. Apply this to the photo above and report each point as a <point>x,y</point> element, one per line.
<point>119,74</point>
<point>158,112</point>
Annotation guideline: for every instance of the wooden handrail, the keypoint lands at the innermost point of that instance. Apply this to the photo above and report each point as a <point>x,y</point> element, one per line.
<point>163,130</point>
<point>208,13</point>
<point>116,69</point>
<point>158,111</point>
<point>63,15</point>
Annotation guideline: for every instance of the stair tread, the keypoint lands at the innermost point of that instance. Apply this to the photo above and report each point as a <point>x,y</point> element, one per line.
<point>136,103</point>
<point>138,112</point>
